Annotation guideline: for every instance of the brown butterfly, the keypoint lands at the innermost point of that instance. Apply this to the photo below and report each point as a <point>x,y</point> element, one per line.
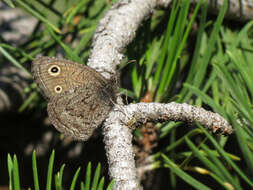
<point>79,98</point>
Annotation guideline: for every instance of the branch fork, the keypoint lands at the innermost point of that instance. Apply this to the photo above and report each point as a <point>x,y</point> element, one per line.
<point>114,32</point>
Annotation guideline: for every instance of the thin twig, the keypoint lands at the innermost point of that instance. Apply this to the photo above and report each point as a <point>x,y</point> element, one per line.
<point>157,112</point>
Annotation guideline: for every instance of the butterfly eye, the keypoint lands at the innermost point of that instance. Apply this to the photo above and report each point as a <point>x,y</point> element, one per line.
<point>58,89</point>
<point>54,70</point>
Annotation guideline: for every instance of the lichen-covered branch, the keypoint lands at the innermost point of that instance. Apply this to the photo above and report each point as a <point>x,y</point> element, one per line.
<point>119,152</point>
<point>157,112</point>
<point>118,137</point>
<point>117,28</point>
<point>238,9</point>
<point>114,32</point>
